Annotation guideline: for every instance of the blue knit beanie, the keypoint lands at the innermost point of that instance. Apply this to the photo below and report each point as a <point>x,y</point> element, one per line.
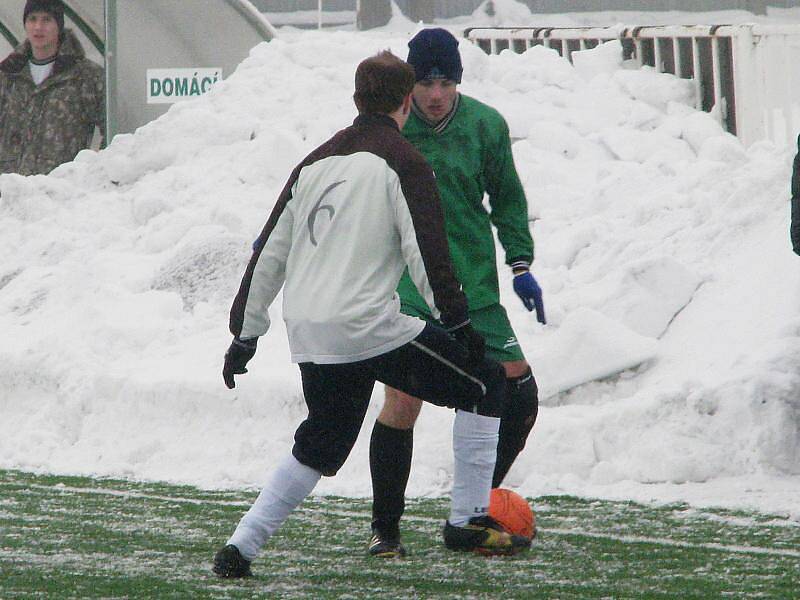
<point>434,55</point>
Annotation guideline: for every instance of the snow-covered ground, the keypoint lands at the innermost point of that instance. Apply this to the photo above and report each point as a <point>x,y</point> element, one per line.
<point>669,366</point>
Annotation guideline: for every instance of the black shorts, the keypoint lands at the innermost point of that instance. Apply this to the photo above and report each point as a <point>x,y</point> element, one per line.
<point>431,367</point>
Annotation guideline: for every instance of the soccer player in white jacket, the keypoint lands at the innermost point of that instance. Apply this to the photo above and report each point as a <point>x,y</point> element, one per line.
<point>353,215</point>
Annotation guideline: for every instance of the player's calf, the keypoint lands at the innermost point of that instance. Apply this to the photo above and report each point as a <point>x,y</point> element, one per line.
<point>519,415</point>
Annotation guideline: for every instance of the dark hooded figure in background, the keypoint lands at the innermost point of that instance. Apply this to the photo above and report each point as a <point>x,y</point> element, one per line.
<point>795,229</point>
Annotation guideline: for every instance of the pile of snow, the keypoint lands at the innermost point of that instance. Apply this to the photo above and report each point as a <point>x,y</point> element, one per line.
<point>511,13</point>
<point>668,369</point>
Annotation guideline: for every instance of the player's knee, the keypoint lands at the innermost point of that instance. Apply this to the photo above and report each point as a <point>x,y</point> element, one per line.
<point>492,403</point>
<point>516,368</point>
<point>327,462</point>
<point>522,399</point>
<point>400,411</point>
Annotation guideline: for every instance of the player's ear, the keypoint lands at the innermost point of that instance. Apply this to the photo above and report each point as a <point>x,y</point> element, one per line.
<point>407,105</point>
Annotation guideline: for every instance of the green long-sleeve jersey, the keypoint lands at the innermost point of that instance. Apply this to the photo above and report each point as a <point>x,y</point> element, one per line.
<point>472,156</point>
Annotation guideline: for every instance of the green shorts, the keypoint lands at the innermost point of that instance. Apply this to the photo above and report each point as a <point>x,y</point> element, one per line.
<point>492,323</point>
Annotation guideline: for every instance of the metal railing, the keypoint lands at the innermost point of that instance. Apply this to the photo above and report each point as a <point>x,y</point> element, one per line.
<point>748,71</point>
<point>87,29</point>
<point>9,37</point>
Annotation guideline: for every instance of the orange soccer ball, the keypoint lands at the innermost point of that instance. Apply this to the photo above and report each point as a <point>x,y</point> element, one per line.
<point>513,512</point>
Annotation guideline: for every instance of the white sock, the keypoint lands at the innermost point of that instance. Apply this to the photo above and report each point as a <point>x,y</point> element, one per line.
<point>287,487</point>
<point>475,452</point>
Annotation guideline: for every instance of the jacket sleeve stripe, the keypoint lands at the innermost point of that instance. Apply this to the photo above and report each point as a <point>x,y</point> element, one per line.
<point>411,252</point>
<point>263,278</point>
<point>419,191</point>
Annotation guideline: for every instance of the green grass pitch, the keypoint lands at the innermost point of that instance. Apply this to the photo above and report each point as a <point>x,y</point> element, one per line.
<point>70,537</point>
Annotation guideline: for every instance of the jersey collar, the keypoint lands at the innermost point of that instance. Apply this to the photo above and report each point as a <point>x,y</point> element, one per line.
<point>440,126</point>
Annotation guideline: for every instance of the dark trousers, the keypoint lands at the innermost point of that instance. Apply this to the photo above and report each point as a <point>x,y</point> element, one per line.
<point>432,367</point>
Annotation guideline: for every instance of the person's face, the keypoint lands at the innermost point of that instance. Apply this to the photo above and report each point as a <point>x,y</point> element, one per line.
<point>435,97</point>
<point>42,31</point>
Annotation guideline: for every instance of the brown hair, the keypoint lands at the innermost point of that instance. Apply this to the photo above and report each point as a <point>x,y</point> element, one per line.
<point>382,82</point>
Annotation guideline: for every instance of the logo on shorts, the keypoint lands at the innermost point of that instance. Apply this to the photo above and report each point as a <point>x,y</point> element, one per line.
<point>510,342</point>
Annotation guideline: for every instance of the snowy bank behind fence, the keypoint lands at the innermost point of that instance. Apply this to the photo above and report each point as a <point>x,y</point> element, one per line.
<point>746,75</point>
<point>667,369</point>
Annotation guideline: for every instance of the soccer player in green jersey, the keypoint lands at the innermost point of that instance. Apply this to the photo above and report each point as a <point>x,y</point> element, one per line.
<point>467,143</point>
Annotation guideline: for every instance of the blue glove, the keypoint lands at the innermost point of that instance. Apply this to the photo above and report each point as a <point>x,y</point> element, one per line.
<point>530,293</point>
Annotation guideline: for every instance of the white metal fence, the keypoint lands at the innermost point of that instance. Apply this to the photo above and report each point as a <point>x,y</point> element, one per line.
<point>309,13</point>
<point>750,72</point>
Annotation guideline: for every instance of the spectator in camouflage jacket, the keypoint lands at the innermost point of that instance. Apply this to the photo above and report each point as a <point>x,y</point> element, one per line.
<point>45,125</point>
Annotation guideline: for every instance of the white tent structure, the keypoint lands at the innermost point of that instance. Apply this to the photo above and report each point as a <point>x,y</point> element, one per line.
<point>132,37</point>
<point>172,34</point>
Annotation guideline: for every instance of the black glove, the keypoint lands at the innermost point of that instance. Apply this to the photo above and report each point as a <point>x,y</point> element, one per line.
<point>471,341</point>
<point>236,358</point>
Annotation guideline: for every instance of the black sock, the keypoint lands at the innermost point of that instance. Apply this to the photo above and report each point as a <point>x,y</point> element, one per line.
<point>389,463</point>
<point>519,415</point>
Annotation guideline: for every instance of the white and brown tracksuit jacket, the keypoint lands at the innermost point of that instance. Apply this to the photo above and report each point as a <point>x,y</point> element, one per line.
<point>353,215</point>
